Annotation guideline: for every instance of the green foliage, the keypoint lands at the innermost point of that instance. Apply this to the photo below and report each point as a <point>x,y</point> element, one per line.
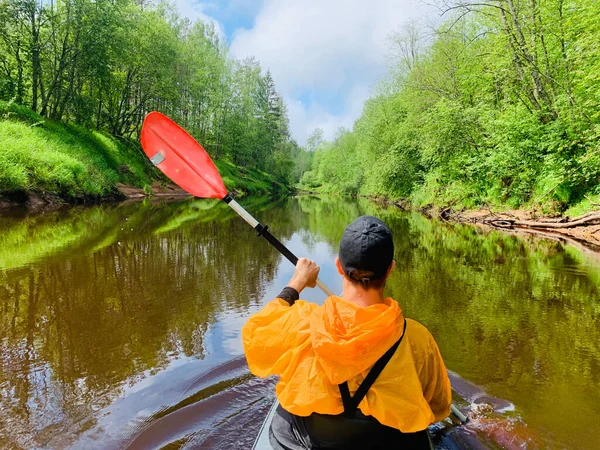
<point>336,166</point>
<point>253,181</point>
<point>44,156</point>
<point>501,108</point>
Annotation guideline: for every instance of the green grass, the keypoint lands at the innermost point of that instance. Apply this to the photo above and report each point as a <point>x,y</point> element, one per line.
<point>249,181</point>
<point>583,207</point>
<point>42,156</point>
<point>38,155</point>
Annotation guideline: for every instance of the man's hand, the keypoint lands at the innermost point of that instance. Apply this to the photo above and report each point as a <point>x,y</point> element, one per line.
<point>305,275</point>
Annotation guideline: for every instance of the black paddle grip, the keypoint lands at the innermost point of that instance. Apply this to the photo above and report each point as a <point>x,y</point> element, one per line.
<point>263,230</point>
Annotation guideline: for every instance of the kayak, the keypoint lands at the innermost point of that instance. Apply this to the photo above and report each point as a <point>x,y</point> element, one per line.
<point>449,434</point>
<point>262,440</point>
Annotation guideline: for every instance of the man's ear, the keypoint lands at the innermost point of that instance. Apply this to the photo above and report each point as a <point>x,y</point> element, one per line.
<point>338,264</point>
<point>392,265</point>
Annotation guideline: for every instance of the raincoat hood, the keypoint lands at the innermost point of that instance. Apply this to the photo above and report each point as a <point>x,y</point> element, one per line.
<point>348,340</point>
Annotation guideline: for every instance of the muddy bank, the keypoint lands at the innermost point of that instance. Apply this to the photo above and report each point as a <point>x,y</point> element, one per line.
<point>43,201</point>
<point>157,190</point>
<point>582,231</point>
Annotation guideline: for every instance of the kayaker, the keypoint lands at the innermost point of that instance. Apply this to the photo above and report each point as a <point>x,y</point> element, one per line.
<point>353,373</point>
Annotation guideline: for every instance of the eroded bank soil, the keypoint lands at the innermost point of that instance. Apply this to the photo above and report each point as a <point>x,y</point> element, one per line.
<point>42,201</point>
<point>583,230</point>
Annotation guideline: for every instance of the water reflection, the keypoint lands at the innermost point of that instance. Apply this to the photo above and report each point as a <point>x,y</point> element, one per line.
<point>120,324</point>
<point>119,305</point>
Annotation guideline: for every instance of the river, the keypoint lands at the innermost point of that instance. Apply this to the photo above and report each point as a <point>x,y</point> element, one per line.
<point>120,324</point>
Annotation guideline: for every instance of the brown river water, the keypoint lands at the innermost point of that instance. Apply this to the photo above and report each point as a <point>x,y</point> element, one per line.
<point>120,324</point>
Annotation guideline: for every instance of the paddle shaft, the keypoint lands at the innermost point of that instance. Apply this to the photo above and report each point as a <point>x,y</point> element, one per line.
<point>263,230</point>
<point>460,416</point>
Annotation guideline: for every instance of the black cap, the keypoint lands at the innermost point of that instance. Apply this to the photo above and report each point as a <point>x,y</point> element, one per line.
<point>367,246</point>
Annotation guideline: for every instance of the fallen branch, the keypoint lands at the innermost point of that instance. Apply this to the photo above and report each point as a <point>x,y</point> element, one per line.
<point>555,220</point>
<point>591,201</point>
<point>584,245</point>
<point>550,190</point>
<point>586,219</point>
<point>500,223</point>
<point>446,213</point>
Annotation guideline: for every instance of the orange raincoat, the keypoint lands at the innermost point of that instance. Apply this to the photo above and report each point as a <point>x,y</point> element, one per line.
<point>314,348</point>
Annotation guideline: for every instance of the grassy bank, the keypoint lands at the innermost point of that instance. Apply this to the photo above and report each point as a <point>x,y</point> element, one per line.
<point>250,181</point>
<point>42,157</point>
<point>45,157</point>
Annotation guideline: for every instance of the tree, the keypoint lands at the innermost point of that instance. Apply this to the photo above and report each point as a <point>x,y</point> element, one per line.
<point>107,63</point>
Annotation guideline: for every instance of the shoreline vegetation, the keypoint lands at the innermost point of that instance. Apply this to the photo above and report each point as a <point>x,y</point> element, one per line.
<point>497,107</point>
<point>44,163</point>
<point>582,231</point>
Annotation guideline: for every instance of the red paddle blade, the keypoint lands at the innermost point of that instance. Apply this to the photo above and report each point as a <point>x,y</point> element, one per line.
<point>180,157</point>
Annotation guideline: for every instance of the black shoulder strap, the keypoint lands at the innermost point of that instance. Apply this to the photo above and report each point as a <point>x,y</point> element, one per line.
<point>351,403</point>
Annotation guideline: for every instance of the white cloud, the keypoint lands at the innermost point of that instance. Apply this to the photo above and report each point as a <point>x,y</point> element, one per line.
<point>323,49</point>
<point>194,10</point>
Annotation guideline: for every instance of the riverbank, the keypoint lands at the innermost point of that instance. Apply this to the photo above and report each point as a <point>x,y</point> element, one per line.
<point>43,163</point>
<point>580,230</point>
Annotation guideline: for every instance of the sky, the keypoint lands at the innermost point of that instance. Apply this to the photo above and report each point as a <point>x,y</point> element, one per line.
<point>325,56</point>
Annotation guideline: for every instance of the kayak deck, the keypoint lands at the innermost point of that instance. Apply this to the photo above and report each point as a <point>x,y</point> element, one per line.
<point>262,441</point>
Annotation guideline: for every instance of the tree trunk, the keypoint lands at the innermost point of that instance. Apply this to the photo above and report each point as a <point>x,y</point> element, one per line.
<point>36,69</point>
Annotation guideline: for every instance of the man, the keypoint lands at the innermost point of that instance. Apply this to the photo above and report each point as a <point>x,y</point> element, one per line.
<point>354,373</point>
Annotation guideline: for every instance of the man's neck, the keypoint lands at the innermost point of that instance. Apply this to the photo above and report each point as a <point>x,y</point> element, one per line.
<point>361,297</point>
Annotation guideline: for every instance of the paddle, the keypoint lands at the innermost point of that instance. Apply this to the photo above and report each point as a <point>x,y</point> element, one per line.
<point>186,163</point>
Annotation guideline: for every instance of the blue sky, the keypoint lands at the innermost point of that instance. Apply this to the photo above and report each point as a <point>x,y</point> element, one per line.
<point>326,56</point>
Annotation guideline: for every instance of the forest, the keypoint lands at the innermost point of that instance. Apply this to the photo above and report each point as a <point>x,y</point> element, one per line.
<point>102,65</point>
<point>499,105</point>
